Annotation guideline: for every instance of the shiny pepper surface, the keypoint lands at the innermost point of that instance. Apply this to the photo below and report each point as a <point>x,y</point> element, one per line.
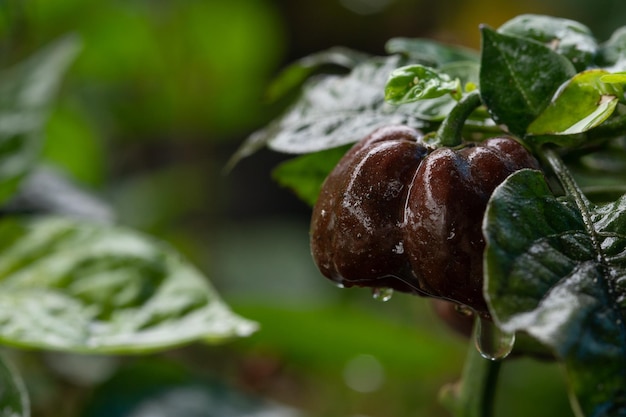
<point>393,215</point>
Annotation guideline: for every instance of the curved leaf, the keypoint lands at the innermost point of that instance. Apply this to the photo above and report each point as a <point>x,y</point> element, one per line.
<point>581,104</point>
<point>81,287</point>
<point>612,53</point>
<point>417,82</point>
<point>25,94</point>
<point>429,52</point>
<point>518,78</point>
<point>556,269</point>
<point>567,37</point>
<point>337,110</point>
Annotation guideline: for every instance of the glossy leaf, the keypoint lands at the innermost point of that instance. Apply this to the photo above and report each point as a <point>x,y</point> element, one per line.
<point>555,268</point>
<point>14,400</point>
<point>581,104</point>
<point>518,78</point>
<point>26,92</point>
<point>305,174</point>
<point>337,110</point>
<point>417,82</point>
<point>429,52</point>
<point>81,287</point>
<point>564,36</point>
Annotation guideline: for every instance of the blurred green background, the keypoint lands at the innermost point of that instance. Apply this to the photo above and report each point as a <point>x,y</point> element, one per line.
<point>160,97</point>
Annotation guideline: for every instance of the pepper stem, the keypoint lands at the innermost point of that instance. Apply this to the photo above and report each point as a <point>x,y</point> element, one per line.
<point>474,394</point>
<point>449,133</point>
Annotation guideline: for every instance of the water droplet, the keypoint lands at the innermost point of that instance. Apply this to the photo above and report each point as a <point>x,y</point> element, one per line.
<point>382,294</point>
<point>492,343</point>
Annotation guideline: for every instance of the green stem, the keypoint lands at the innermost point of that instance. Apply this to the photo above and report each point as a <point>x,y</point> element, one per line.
<point>474,395</point>
<point>449,133</point>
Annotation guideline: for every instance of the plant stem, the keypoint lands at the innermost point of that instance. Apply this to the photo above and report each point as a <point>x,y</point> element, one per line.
<point>474,394</point>
<point>449,133</point>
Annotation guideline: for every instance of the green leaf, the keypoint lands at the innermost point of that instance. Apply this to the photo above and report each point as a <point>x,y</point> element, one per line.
<point>337,110</point>
<point>82,287</point>
<point>13,395</point>
<point>581,104</point>
<point>518,77</point>
<point>416,82</point>
<point>564,36</point>
<point>305,174</point>
<point>555,268</point>
<point>26,92</point>
<point>429,52</point>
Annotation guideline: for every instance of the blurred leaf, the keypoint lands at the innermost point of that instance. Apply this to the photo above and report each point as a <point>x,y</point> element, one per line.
<point>555,269</point>
<point>305,174</point>
<point>417,82</point>
<point>564,36</point>
<point>518,77</point>
<point>295,74</point>
<point>13,395</point>
<point>612,53</point>
<point>429,52</point>
<point>26,92</point>
<point>581,104</point>
<point>156,388</point>
<point>48,191</point>
<point>92,288</point>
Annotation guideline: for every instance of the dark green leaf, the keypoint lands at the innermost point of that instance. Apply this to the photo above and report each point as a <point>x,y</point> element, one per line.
<point>416,82</point>
<point>612,54</point>
<point>581,104</point>
<point>82,287</point>
<point>556,270</point>
<point>429,52</point>
<point>13,395</point>
<point>294,75</point>
<point>26,92</point>
<point>564,36</point>
<point>518,78</point>
<point>305,174</point>
<point>337,110</point>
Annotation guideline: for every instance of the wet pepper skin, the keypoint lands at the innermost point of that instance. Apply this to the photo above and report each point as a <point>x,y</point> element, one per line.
<point>393,215</point>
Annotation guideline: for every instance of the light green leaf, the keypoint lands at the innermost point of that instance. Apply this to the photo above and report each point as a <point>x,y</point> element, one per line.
<point>581,104</point>
<point>26,92</point>
<point>82,287</point>
<point>416,82</point>
<point>556,269</point>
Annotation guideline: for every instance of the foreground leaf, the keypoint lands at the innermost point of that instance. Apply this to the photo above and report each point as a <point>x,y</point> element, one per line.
<point>582,104</point>
<point>83,287</point>
<point>13,395</point>
<point>567,37</point>
<point>518,78</point>
<point>26,92</point>
<point>417,82</point>
<point>556,269</point>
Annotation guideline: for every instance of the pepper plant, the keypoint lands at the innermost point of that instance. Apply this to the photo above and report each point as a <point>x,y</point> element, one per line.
<point>554,257</point>
<point>71,279</point>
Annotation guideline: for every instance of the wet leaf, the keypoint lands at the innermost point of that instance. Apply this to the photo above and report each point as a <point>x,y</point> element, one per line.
<point>612,53</point>
<point>337,110</point>
<point>26,92</point>
<point>81,287</point>
<point>416,82</point>
<point>518,78</point>
<point>556,269</point>
<point>581,104</point>
<point>564,36</point>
